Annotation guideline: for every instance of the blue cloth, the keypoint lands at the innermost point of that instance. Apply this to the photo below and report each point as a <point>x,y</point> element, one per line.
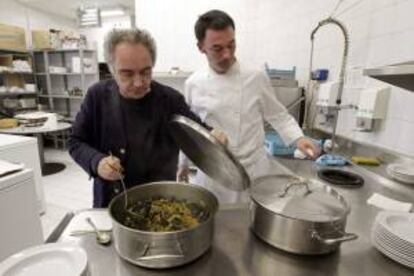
<point>331,160</point>
<point>275,145</point>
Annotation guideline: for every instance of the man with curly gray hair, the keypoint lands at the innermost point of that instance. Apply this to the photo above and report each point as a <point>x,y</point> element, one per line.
<point>122,129</point>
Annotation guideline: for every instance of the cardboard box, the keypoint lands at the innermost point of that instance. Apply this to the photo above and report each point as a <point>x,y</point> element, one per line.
<point>12,38</point>
<point>14,80</point>
<point>41,39</point>
<point>6,61</point>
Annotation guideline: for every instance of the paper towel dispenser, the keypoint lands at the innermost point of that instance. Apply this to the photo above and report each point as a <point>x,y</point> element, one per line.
<point>372,107</point>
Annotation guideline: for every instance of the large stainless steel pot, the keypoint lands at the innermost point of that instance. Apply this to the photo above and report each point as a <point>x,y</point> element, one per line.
<point>163,249</point>
<point>298,215</point>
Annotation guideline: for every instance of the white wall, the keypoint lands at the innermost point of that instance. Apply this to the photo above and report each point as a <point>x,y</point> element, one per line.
<point>97,35</point>
<point>13,13</point>
<point>278,32</point>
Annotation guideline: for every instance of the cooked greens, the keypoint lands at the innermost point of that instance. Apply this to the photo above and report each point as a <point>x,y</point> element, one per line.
<point>164,215</point>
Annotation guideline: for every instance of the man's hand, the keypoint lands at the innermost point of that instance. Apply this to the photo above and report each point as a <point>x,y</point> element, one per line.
<point>183,174</point>
<point>220,136</point>
<point>109,168</point>
<point>308,147</point>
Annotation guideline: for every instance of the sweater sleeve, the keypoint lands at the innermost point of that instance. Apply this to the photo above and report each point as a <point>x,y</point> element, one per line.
<point>81,141</point>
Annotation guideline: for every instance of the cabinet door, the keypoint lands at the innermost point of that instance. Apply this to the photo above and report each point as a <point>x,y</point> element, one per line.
<point>21,227</point>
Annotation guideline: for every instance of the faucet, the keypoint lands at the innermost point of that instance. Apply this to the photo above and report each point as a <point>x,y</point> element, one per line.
<point>331,20</point>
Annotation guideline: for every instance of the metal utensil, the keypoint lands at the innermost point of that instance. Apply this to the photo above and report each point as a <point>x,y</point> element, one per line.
<point>121,179</point>
<point>85,232</point>
<point>102,237</point>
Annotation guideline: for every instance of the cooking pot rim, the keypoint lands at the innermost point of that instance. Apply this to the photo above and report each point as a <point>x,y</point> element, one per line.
<point>142,186</point>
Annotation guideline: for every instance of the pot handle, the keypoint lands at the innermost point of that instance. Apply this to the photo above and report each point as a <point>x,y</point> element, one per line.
<point>332,241</point>
<point>144,256</point>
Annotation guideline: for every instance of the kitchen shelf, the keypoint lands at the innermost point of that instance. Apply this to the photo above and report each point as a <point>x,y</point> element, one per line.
<point>66,74</point>
<point>16,52</point>
<point>15,94</point>
<point>169,75</point>
<point>63,50</point>
<point>71,74</point>
<point>16,72</point>
<point>10,76</point>
<point>401,75</point>
<point>56,96</point>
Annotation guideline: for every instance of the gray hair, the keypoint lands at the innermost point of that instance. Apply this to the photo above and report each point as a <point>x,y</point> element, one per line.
<point>134,35</point>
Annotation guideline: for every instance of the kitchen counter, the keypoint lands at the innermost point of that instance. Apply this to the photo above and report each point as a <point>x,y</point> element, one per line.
<point>237,251</point>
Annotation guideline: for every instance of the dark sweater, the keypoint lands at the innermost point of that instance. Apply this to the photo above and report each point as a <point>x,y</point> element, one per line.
<point>136,131</point>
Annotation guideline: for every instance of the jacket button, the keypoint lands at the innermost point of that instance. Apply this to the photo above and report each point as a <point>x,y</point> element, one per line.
<point>122,151</point>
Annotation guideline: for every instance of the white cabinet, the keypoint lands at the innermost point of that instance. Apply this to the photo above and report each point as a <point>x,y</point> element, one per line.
<point>20,222</point>
<point>24,150</point>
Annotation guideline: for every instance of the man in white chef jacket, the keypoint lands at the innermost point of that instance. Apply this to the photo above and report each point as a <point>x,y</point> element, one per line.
<point>236,99</point>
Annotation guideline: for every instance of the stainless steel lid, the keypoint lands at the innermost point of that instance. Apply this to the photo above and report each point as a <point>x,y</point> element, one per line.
<point>299,198</point>
<point>208,154</point>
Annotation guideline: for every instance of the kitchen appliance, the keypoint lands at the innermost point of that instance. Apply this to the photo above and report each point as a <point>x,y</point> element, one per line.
<point>23,149</point>
<point>163,249</point>
<point>20,222</point>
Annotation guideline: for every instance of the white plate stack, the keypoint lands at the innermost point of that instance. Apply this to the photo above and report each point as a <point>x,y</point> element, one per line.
<point>402,172</point>
<point>393,235</point>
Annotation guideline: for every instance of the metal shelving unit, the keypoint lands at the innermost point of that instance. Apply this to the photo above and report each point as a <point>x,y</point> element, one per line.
<point>56,88</point>
<point>22,99</point>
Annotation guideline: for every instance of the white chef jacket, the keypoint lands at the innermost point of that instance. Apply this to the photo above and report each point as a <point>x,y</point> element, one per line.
<point>238,102</point>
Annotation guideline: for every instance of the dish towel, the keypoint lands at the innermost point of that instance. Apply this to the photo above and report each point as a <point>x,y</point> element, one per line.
<point>331,160</point>
<point>78,224</point>
<point>387,203</point>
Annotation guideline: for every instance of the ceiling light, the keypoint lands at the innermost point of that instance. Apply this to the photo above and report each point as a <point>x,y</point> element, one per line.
<point>88,17</point>
<point>113,12</point>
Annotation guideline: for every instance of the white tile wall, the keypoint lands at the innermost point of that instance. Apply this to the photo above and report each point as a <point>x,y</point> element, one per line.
<point>278,32</point>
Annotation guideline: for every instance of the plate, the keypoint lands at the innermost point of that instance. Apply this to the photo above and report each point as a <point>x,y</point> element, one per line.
<point>401,225</point>
<point>393,256</point>
<point>401,172</point>
<point>47,260</point>
<point>397,251</point>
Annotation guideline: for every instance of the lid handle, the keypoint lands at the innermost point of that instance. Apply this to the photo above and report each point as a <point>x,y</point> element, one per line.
<point>290,185</point>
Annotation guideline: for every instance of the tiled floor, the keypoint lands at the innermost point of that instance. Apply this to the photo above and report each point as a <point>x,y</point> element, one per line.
<point>65,191</point>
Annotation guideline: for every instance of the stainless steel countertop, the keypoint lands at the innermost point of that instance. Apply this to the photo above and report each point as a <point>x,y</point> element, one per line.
<point>237,251</point>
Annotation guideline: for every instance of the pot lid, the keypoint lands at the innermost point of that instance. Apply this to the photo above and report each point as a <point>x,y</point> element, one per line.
<point>208,154</point>
<point>299,198</point>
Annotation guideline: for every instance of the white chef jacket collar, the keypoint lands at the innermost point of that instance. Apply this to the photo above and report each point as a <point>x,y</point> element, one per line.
<point>233,70</point>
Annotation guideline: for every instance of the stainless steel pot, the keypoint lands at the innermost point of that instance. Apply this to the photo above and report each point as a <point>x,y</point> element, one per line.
<point>163,249</point>
<point>298,215</point>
